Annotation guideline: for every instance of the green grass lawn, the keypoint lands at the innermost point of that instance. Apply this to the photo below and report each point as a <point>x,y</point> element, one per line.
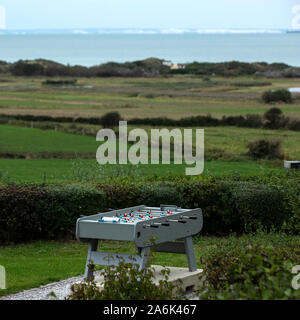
<point>38,263</point>
<point>27,140</point>
<point>232,140</point>
<point>58,170</point>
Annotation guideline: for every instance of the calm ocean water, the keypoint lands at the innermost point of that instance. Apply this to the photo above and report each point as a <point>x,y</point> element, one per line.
<point>93,49</point>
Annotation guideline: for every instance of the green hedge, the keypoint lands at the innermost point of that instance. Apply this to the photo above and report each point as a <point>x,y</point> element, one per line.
<point>111,119</point>
<point>35,212</point>
<point>229,205</point>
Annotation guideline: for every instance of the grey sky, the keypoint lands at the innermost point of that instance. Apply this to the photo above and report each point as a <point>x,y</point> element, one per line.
<point>216,14</point>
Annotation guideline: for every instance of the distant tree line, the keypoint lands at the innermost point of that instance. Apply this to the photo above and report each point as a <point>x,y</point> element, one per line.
<point>146,68</point>
<point>151,67</point>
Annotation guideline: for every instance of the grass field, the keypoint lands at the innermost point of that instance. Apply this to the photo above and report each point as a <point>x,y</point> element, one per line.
<point>31,265</point>
<point>58,170</point>
<point>174,97</point>
<point>229,141</point>
<point>27,141</point>
<point>232,140</point>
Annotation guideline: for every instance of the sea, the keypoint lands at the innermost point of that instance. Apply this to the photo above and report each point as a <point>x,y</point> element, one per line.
<point>91,47</point>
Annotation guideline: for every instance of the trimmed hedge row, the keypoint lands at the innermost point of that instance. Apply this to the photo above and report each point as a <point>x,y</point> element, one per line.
<point>112,119</point>
<point>228,206</point>
<point>50,212</point>
<point>37,212</point>
<point>208,120</point>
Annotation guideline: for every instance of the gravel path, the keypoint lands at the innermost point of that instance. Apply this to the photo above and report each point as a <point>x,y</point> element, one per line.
<point>60,290</point>
<point>52,291</point>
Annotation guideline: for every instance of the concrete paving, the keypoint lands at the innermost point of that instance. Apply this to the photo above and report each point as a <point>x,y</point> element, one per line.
<point>189,282</point>
<point>181,277</point>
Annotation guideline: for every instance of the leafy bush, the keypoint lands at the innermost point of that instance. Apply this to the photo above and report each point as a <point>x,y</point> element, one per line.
<point>218,154</point>
<point>126,282</point>
<point>37,212</point>
<point>280,95</point>
<point>256,206</point>
<point>275,119</point>
<point>155,195</point>
<point>252,121</point>
<point>207,120</point>
<point>294,125</point>
<point>250,272</point>
<point>265,149</point>
<point>252,83</point>
<point>110,119</point>
<point>22,68</point>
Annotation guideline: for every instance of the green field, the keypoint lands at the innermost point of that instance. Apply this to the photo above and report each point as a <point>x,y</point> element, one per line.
<point>174,97</point>
<point>230,142</point>
<point>31,265</point>
<point>25,140</point>
<point>57,170</point>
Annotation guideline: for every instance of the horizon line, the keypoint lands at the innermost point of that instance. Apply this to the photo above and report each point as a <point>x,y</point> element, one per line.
<point>149,31</point>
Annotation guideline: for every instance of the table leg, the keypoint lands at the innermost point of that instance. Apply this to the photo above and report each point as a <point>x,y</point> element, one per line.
<point>89,267</point>
<point>144,252</point>
<point>189,249</point>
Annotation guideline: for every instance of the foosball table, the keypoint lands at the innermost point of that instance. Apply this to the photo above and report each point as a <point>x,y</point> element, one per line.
<point>167,228</point>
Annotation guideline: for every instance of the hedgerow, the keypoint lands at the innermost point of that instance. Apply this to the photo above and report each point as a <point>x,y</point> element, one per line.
<point>229,204</point>
<point>269,120</point>
<point>38,212</point>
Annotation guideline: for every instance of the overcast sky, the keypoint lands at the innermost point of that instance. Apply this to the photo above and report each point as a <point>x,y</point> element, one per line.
<point>216,14</point>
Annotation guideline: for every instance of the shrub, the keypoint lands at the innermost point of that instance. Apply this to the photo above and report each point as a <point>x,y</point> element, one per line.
<point>252,121</point>
<point>275,119</point>
<point>252,83</point>
<point>155,195</point>
<point>110,119</point>
<point>265,149</point>
<point>294,125</point>
<point>22,68</point>
<point>60,82</point>
<point>126,282</point>
<point>256,206</point>
<point>250,272</point>
<point>280,95</point>
<point>234,206</point>
<point>217,154</point>
<point>37,212</point>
